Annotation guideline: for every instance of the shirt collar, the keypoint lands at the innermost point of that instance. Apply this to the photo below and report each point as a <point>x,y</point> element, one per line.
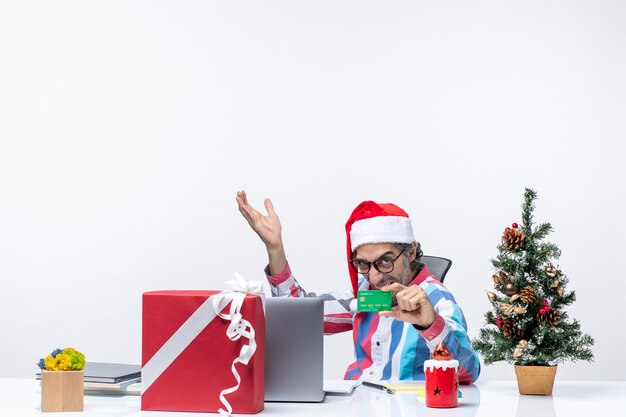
<point>421,276</point>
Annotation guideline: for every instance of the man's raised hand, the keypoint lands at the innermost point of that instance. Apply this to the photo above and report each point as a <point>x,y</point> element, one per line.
<point>267,227</point>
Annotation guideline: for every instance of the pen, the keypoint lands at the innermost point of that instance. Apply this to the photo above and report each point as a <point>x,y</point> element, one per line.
<point>378,386</point>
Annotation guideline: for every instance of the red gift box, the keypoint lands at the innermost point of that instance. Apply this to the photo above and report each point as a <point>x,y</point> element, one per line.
<point>187,355</point>
<point>442,383</point>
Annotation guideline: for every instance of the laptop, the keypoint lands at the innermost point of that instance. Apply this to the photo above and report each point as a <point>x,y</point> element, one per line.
<point>294,349</point>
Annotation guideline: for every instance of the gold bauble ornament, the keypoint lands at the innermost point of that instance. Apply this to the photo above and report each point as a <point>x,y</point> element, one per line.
<point>510,289</point>
<point>551,271</point>
<point>555,283</point>
<point>560,290</point>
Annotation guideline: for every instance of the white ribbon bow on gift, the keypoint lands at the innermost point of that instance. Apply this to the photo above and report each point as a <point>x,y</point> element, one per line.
<point>240,284</point>
<point>238,327</point>
<point>187,332</point>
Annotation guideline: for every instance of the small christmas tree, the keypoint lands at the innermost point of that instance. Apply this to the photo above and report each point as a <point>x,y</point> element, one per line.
<point>530,325</point>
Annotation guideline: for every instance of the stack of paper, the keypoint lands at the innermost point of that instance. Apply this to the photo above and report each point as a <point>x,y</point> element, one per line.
<point>94,388</point>
<point>407,386</point>
<point>411,386</point>
<point>339,386</point>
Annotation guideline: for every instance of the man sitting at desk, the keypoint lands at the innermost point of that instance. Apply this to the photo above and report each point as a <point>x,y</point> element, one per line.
<point>382,254</point>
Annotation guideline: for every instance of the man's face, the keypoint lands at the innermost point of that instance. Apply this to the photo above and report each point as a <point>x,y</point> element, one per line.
<point>373,252</point>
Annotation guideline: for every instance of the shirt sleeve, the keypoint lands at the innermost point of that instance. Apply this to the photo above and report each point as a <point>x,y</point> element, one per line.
<point>339,307</point>
<point>451,328</point>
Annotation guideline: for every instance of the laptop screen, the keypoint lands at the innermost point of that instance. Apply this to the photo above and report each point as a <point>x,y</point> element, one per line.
<point>294,349</point>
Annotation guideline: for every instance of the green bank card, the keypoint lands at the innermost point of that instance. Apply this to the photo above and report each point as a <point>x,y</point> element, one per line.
<point>373,300</point>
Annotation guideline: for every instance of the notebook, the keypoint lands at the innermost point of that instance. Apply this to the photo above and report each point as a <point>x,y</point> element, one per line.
<point>111,372</point>
<point>294,349</point>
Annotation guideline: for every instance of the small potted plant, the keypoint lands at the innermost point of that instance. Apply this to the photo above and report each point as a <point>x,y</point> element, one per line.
<point>62,379</point>
<point>528,324</point>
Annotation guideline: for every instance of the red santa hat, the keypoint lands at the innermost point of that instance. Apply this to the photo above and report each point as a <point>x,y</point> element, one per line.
<point>371,222</point>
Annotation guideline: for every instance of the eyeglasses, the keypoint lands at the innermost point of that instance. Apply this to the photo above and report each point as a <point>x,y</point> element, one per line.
<point>384,264</point>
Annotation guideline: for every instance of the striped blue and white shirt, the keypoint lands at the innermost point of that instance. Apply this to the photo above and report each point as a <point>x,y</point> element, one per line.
<point>386,348</point>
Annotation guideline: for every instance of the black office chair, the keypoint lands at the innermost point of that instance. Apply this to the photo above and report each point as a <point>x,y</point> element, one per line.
<point>437,266</point>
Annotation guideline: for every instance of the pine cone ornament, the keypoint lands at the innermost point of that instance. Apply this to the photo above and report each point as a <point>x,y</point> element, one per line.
<point>513,239</point>
<point>510,330</point>
<point>549,316</point>
<point>528,295</point>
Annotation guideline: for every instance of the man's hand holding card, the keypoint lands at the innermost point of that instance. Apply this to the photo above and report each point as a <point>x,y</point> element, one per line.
<point>413,305</point>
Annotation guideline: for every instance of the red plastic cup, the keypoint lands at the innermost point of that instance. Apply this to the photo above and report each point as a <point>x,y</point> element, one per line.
<point>442,383</point>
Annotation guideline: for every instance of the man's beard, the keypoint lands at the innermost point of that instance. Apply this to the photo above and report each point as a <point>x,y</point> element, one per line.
<point>388,280</point>
<point>401,278</point>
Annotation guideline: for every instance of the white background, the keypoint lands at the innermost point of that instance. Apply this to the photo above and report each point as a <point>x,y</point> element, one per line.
<point>126,127</point>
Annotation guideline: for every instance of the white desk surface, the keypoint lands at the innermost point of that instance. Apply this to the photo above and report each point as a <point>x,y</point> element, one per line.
<point>21,397</point>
